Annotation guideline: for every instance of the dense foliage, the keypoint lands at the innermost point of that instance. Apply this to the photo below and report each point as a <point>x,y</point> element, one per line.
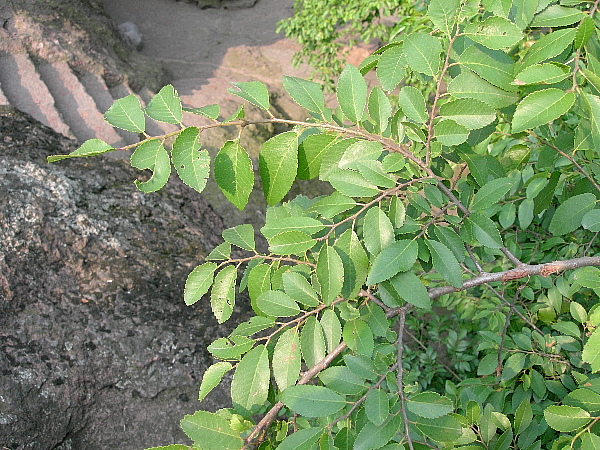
<point>328,29</point>
<point>445,294</point>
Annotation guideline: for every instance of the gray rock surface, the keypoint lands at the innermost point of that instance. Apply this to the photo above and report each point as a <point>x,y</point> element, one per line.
<point>97,349</point>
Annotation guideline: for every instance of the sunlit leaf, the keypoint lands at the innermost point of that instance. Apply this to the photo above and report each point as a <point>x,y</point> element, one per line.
<point>152,155</point>
<point>126,113</point>
<point>234,174</point>
<point>212,431</point>
<point>278,163</point>
<point>250,384</point>
<point>165,106</point>
<point>253,91</point>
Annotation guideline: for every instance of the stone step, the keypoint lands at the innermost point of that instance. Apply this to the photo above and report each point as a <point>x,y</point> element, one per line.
<point>25,90</point>
<point>3,99</point>
<point>96,88</point>
<point>78,108</point>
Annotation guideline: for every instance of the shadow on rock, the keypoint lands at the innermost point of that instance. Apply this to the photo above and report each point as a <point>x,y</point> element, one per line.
<point>97,349</point>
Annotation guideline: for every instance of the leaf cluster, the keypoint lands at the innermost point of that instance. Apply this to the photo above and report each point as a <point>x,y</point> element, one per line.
<point>444,295</point>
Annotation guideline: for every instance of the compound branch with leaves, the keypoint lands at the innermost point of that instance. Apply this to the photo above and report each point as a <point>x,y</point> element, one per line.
<point>444,295</point>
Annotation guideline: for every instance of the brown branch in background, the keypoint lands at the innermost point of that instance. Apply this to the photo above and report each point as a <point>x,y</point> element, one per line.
<point>506,324</point>
<point>400,373</point>
<point>580,169</point>
<point>484,278</point>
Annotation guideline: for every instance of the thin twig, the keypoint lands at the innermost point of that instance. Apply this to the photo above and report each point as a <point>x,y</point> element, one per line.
<point>512,258</point>
<point>400,373</point>
<point>506,324</point>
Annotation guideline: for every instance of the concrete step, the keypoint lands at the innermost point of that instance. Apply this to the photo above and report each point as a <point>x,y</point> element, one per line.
<point>25,90</point>
<point>3,99</point>
<point>96,88</point>
<point>78,108</point>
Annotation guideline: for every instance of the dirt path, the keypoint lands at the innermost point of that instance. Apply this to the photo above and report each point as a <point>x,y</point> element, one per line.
<point>205,49</point>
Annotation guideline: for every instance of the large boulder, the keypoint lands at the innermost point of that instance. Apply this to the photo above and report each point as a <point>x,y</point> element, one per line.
<point>97,349</point>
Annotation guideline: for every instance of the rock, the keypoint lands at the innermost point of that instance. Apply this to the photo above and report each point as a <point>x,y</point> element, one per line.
<point>97,349</point>
<point>131,35</point>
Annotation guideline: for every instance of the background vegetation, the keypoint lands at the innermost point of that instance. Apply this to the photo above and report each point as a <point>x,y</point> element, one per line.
<point>445,294</point>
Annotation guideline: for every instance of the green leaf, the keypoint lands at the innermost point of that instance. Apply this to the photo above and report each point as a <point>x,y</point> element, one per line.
<point>299,289</point>
<point>259,281</point>
<point>374,436</point>
<point>494,66</point>
<point>593,106</point>
<point>588,277</point>
<point>491,192</point>
<point>390,68</point>
<point>483,230</point>
<point>312,401</point>
<point>198,282</point>
<point>584,398</point>
<point>494,32</point>
<point>590,441</point>
<point>152,155</point>
<point>591,220</point>
<point>165,106</point>
<point>330,273</point>
<point>250,384</point>
<point>210,111</point>
<point>468,112</point>
<point>523,12</point>
<point>212,377</point>
<point>442,429</point>
<point>584,32</point>
<point>253,91</point>
<point>557,16</point>
<point>359,337</point>
<point>312,342</point>
<point>342,380</point>
<point>513,366</point>
<point>332,157</point>
<point>569,215</point>
<point>443,14</point>
<point>412,102</point>
<point>378,232</point>
<point>360,151</point>
<point>239,114</point>
<point>230,348</point>
<point>307,94</point>
<point>332,205</point>
<point>221,252</point>
<point>541,107</point>
<point>212,431</point>
<point>549,46</point>
<point>306,224</point>
<point>91,147</point>
<point>291,243</point>
<point>286,359</point>
<point>523,416</point>
<point>277,304</point>
<point>566,418</point>
<point>355,262</point>
<point>487,365</point>
<point>310,154</point>
<point>191,164</point>
<point>445,263</point>
<point>222,295</point>
<point>241,236</point>
<point>373,172</point>
<point>301,440</point>
<point>546,73</point>
<point>591,351</point>
<point>471,85</point>
<point>126,113</point>
<point>332,329</point>
<point>422,52</point>
<point>450,239</point>
<point>234,174</point>
<point>278,163</point>
<point>397,257</point>
<point>450,133</point>
<point>362,365</point>
<point>429,405</point>
<point>252,326</point>
<point>377,406</point>
<point>352,93</point>
<point>380,109</point>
